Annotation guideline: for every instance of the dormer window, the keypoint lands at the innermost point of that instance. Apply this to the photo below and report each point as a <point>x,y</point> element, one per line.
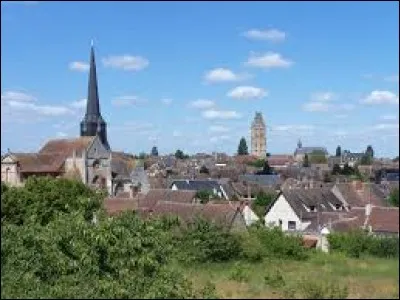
<point>337,206</point>
<point>312,208</point>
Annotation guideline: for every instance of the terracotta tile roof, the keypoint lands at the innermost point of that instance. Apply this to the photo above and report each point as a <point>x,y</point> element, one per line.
<point>156,195</point>
<point>384,219</point>
<point>39,163</point>
<point>358,194</point>
<point>115,205</point>
<point>66,147</point>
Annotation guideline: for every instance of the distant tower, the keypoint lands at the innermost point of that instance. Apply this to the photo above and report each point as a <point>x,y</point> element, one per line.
<point>93,123</point>
<point>258,136</point>
<point>299,144</point>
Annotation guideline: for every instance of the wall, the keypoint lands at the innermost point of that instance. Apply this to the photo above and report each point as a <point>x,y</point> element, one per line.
<point>13,177</point>
<point>283,211</point>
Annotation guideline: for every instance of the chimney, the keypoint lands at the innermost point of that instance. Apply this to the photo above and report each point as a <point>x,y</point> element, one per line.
<point>248,191</point>
<point>368,209</point>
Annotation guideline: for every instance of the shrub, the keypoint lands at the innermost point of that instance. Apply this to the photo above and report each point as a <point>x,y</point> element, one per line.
<point>358,243</point>
<point>252,249</point>
<point>274,279</point>
<point>239,273</point>
<point>316,290</point>
<point>276,243</point>
<point>206,242</point>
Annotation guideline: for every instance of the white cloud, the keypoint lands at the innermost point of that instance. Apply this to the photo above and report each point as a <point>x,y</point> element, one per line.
<point>128,101</point>
<point>46,110</point>
<point>61,134</point>
<point>292,127</point>
<point>218,128</point>
<point>166,101</point>
<point>381,97</point>
<point>202,104</point>
<point>220,114</point>
<point>126,62</point>
<point>16,96</point>
<point>389,117</point>
<point>393,78</point>
<point>79,103</point>
<point>322,96</point>
<point>316,106</point>
<point>268,60</point>
<point>176,133</point>
<point>386,126</point>
<point>223,75</point>
<point>322,102</point>
<point>79,66</point>
<point>247,92</point>
<point>216,139</point>
<point>273,35</point>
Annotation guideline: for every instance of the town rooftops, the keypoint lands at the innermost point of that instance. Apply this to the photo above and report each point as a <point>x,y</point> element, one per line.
<point>309,150</point>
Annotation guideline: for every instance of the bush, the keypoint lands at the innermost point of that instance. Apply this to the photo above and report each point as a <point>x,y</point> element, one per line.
<point>274,279</point>
<point>276,243</point>
<point>316,290</point>
<point>252,249</point>
<point>394,197</point>
<point>239,273</point>
<point>206,242</point>
<point>358,243</point>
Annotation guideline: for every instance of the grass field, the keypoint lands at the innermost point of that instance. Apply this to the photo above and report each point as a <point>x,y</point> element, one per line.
<point>274,279</point>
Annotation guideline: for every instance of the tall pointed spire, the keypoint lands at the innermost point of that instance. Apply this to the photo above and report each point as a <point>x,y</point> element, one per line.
<point>93,123</point>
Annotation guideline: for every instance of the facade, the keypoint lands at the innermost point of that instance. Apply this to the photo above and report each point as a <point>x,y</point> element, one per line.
<point>87,158</point>
<point>258,136</point>
<point>301,151</point>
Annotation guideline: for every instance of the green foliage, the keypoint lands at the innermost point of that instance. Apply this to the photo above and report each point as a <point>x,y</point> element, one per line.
<point>274,279</point>
<point>277,244</point>
<point>347,170</point>
<point>42,199</point>
<point>180,155</point>
<point>204,196</point>
<point>204,170</point>
<point>142,155</point>
<point>242,148</point>
<point>370,151</point>
<point>267,169</point>
<point>203,242</point>
<point>239,273</point>
<point>306,161</point>
<point>358,243</point>
<point>317,290</point>
<point>338,151</point>
<point>317,157</point>
<point>154,151</point>
<point>366,160</point>
<point>336,170</point>
<point>394,197</point>
<point>259,163</point>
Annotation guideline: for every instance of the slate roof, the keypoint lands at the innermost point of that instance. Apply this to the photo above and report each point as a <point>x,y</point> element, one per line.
<point>196,185</point>
<point>309,150</point>
<point>270,180</point>
<point>51,157</point>
<point>301,199</point>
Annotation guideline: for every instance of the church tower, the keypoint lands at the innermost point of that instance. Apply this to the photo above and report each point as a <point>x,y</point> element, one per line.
<point>93,123</point>
<point>258,136</point>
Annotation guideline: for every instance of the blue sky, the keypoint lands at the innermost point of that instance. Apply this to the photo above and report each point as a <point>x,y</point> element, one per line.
<point>191,75</point>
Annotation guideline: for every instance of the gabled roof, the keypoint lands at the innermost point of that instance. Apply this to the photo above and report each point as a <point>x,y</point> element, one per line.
<point>196,185</point>
<point>66,147</point>
<point>155,195</point>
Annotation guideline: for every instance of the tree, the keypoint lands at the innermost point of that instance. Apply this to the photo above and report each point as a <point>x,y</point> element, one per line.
<point>338,151</point>
<point>242,149</point>
<point>204,170</point>
<point>154,151</point>
<point>366,160</point>
<point>370,152</point>
<point>261,202</point>
<point>394,197</point>
<point>267,169</point>
<point>336,169</point>
<point>204,196</point>
<point>179,154</point>
<point>142,155</point>
<point>306,162</point>
<point>317,157</point>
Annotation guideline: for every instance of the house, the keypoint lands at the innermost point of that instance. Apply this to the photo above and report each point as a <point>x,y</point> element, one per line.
<point>382,221</point>
<point>272,180</point>
<point>297,209</point>
<point>279,162</point>
<point>301,151</point>
<point>211,186</point>
<point>359,194</point>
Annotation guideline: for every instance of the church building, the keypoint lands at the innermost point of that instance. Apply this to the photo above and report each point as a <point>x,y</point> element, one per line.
<point>87,158</point>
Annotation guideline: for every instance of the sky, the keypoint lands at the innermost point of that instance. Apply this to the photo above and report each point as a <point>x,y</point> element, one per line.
<point>191,75</point>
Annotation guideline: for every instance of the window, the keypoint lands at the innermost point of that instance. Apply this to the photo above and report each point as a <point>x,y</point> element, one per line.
<point>292,225</point>
<point>280,223</point>
<point>312,208</point>
<point>337,206</point>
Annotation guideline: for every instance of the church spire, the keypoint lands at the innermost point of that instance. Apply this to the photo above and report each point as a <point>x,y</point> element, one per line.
<point>93,104</point>
<point>93,123</point>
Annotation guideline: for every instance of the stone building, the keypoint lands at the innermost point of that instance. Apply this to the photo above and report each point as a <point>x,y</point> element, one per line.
<point>258,136</point>
<point>87,158</point>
